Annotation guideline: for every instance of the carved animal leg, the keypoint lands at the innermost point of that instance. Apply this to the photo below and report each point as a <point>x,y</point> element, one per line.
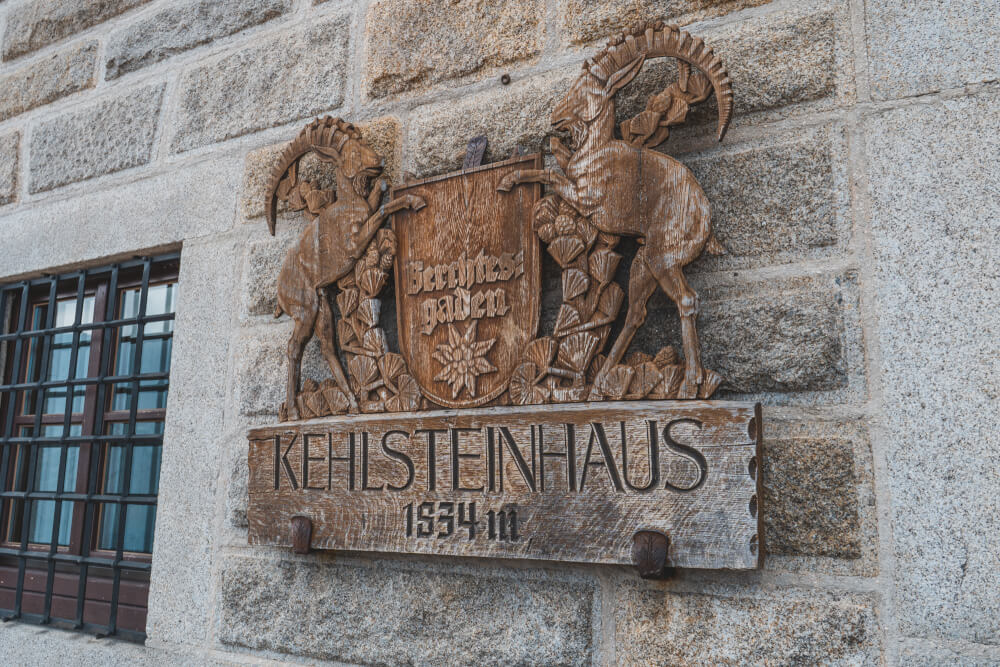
<point>300,336</point>
<point>324,331</point>
<point>557,182</point>
<point>641,285</point>
<point>406,201</point>
<point>377,219</point>
<point>677,288</point>
<point>375,196</point>
<point>524,176</point>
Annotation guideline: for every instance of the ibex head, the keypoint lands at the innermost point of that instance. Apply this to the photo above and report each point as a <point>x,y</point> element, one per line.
<point>355,162</point>
<point>333,140</point>
<point>592,94</point>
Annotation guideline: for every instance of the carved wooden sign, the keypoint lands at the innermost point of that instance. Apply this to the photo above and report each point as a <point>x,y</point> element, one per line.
<point>559,444</point>
<point>575,483</point>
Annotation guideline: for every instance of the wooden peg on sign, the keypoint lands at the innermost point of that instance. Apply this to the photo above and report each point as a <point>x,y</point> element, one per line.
<point>649,554</point>
<point>302,529</point>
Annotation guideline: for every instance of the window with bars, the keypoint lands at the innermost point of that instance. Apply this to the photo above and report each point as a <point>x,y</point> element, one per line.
<point>85,359</point>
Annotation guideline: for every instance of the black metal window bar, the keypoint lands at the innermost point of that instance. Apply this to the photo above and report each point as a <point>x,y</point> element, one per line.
<point>85,365</point>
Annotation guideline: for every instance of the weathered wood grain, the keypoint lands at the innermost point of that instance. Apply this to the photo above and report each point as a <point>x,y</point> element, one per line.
<point>606,188</point>
<point>467,265</point>
<point>468,282</point>
<point>342,245</point>
<point>704,493</point>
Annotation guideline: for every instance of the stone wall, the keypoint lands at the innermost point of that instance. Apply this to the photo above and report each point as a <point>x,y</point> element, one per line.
<point>857,193</point>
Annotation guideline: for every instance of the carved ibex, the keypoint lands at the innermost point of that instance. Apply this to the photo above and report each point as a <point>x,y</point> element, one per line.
<point>626,189</point>
<point>335,238</point>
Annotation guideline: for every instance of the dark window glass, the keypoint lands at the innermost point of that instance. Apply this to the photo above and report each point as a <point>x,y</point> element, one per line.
<point>144,480</point>
<point>85,359</point>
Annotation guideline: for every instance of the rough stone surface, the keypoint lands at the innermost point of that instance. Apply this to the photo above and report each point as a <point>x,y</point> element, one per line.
<point>775,203</point>
<point>114,134</point>
<point>47,80</point>
<point>179,599</point>
<point>385,615</point>
<point>787,342</point>
<point>761,338</point>
<point>37,23</point>
<point>789,58</point>
<point>25,644</point>
<point>811,495</point>
<point>264,259</point>
<point>942,657</point>
<point>261,368</point>
<point>9,163</point>
<point>658,626</point>
<point>512,115</point>
<point>382,134</point>
<point>793,57</point>
<point>935,175</point>
<point>256,173</point>
<point>149,213</point>
<point>588,20</point>
<point>929,45</point>
<point>237,493</point>
<point>412,45</point>
<point>183,26</point>
<point>286,77</point>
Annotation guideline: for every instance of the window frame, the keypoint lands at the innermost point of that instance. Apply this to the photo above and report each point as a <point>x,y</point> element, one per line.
<point>88,498</point>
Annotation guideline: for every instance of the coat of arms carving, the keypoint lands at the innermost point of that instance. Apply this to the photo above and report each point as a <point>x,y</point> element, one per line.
<point>465,251</point>
<point>468,282</point>
<point>429,440</point>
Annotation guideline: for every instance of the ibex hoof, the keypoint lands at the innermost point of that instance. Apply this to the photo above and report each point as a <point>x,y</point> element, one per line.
<point>417,203</point>
<point>688,390</point>
<point>507,183</point>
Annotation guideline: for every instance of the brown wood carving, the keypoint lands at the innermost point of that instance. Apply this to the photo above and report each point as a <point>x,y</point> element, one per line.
<point>301,534</point>
<point>342,245</point>
<point>464,249</point>
<point>649,554</point>
<point>573,482</point>
<point>608,188</point>
<point>614,469</point>
<point>468,282</point>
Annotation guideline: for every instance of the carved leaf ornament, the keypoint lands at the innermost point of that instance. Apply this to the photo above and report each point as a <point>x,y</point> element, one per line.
<point>467,282</point>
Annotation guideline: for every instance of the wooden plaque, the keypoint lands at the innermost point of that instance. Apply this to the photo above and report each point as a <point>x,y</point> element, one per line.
<point>468,282</point>
<point>565,483</point>
<point>569,446</point>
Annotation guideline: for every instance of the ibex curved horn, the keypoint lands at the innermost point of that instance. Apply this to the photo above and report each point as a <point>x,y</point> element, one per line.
<point>328,132</point>
<point>657,40</point>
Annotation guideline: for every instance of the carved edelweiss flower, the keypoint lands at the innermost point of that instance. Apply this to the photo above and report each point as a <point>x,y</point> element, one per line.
<point>464,359</point>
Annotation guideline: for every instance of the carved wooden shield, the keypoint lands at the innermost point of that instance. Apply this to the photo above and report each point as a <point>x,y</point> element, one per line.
<point>468,282</point>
